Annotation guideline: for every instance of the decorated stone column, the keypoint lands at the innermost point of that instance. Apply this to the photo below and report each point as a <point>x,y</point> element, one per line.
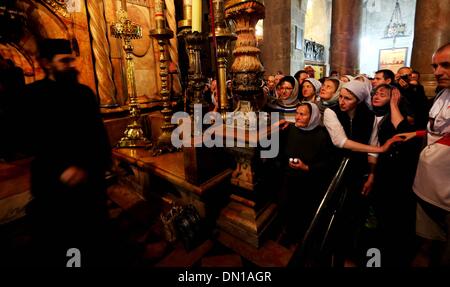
<point>345,33</point>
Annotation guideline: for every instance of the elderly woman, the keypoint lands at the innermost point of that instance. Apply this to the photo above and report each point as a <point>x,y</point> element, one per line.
<point>287,101</point>
<point>306,157</point>
<point>310,90</point>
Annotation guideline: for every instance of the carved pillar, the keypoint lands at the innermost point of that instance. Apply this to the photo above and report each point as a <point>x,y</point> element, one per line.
<point>431,30</point>
<point>345,33</point>
<point>100,48</point>
<point>249,213</point>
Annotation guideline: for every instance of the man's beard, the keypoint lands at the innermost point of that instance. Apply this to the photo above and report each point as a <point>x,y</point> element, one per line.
<point>67,77</point>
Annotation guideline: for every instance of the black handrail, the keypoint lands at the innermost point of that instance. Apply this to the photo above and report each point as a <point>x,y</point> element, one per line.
<point>327,199</point>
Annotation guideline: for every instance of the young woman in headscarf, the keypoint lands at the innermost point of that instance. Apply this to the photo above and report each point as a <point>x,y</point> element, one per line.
<point>287,99</point>
<point>329,94</point>
<point>353,129</point>
<point>394,175</point>
<point>307,160</point>
<point>310,90</point>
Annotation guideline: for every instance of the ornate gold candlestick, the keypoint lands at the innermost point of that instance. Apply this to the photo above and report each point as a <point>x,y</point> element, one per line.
<point>195,41</point>
<point>127,30</point>
<point>184,27</point>
<point>223,38</point>
<point>246,69</point>
<point>162,35</point>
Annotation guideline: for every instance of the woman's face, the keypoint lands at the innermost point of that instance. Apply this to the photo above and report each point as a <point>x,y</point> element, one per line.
<point>327,91</point>
<point>347,101</point>
<point>344,79</point>
<point>285,90</point>
<point>308,90</point>
<point>302,117</point>
<point>381,97</point>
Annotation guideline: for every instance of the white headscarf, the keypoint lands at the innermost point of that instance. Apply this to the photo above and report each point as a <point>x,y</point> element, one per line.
<point>314,120</point>
<point>368,85</point>
<point>359,89</point>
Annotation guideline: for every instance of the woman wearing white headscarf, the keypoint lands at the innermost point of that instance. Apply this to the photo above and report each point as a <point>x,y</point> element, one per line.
<point>310,90</point>
<point>353,129</point>
<point>306,157</point>
<point>329,94</point>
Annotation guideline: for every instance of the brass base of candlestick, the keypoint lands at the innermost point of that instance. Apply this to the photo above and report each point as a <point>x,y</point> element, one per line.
<point>134,137</point>
<point>164,144</point>
<point>161,33</point>
<point>186,23</point>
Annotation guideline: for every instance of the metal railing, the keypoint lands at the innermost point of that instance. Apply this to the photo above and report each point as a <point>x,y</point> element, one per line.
<point>310,252</point>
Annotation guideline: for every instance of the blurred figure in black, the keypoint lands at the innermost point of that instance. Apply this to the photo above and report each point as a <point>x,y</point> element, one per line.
<point>63,129</point>
<point>12,82</point>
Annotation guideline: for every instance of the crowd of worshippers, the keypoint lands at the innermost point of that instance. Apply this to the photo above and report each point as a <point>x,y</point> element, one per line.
<point>357,117</point>
<point>354,116</point>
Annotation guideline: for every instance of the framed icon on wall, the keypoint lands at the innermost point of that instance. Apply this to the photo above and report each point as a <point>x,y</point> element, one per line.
<point>392,59</point>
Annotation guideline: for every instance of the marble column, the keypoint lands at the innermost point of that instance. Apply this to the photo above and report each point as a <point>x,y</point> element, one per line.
<point>431,31</point>
<point>345,33</point>
<point>276,54</point>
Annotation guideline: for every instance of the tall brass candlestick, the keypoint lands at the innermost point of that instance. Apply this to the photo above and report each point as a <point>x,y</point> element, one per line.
<point>246,69</point>
<point>195,41</point>
<point>162,35</point>
<point>223,38</point>
<point>127,30</point>
<point>184,27</point>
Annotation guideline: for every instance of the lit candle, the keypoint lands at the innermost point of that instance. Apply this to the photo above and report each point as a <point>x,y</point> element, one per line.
<point>187,9</point>
<point>159,10</point>
<point>197,16</point>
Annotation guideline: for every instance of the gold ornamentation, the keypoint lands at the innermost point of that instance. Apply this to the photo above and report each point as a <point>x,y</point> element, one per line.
<point>223,38</point>
<point>58,7</point>
<point>126,30</point>
<point>162,35</point>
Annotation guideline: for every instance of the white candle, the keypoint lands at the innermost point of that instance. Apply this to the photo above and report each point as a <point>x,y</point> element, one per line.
<point>159,10</point>
<point>197,15</point>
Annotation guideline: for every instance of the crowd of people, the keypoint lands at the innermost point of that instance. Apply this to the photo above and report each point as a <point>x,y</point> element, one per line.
<point>378,123</point>
<point>399,184</point>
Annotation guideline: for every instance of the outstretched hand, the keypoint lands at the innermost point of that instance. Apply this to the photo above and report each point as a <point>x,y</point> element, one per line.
<point>385,147</point>
<point>406,136</point>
